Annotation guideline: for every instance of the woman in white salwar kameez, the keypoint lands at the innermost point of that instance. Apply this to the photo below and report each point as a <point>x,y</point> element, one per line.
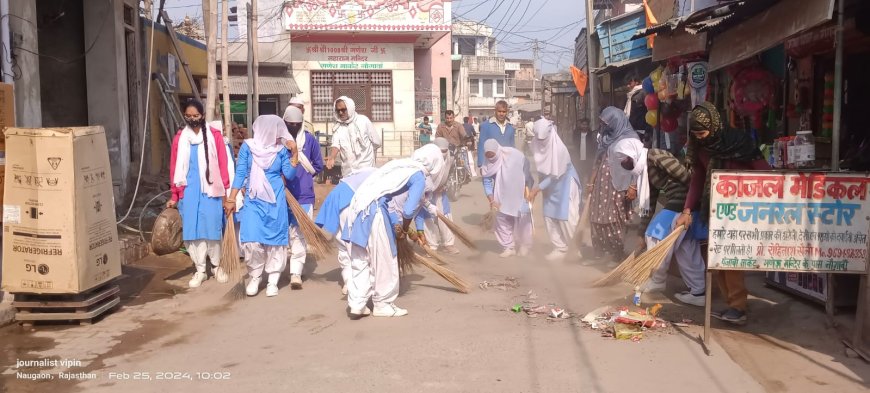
<point>437,233</point>
<point>506,190</point>
<point>374,268</point>
<point>560,184</point>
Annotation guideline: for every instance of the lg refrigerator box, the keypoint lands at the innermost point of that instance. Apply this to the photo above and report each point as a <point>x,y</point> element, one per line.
<point>59,232</point>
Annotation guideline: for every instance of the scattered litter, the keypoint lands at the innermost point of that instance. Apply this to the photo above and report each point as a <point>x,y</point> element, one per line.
<point>517,308</point>
<point>624,323</point>
<point>504,285</point>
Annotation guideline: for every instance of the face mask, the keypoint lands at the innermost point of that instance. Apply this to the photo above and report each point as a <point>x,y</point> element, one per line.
<point>294,127</point>
<point>195,123</point>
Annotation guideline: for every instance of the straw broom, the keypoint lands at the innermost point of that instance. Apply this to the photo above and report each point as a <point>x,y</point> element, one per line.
<point>230,261</point>
<point>315,238</point>
<point>463,237</point>
<point>408,259</point>
<point>636,270</point>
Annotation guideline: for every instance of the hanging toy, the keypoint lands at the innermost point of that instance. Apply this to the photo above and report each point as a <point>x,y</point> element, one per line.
<point>648,85</point>
<point>751,91</point>
<point>651,102</point>
<point>669,124</point>
<point>652,118</point>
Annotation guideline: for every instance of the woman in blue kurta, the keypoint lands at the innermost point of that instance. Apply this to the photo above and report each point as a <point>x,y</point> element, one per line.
<point>437,233</point>
<point>333,213</point>
<point>560,184</point>
<point>265,217</point>
<point>374,269</point>
<point>199,179</point>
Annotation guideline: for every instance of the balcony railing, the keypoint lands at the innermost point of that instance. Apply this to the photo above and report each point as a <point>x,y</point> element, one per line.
<point>488,102</point>
<point>489,65</point>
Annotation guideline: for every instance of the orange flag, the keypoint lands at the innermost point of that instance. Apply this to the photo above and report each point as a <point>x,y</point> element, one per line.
<point>580,80</point>
<point>650,21</point>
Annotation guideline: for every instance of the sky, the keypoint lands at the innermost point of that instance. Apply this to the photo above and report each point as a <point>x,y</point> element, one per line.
<point>516,24</point>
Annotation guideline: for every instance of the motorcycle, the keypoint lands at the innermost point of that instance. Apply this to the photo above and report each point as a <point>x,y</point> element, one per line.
<point>459,175</point>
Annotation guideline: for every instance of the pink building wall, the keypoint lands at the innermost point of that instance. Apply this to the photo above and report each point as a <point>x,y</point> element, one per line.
<point>430,65</point>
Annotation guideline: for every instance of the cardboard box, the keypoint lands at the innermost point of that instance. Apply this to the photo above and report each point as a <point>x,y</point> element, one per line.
<point>59,231</point>
<point>7,110</point>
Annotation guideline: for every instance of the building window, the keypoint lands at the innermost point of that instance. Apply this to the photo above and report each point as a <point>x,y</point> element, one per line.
<point>467,46</point>
<point>372,92</point>
<point>475,87</point>
<point>487,88</point>
<point>499,86</point>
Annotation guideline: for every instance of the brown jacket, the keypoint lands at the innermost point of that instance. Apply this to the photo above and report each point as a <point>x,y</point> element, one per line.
<point>454,134</point>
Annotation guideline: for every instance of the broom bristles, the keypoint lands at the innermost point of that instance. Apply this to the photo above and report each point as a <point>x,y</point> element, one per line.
<point>487,221</point>
<point>463,237</point>
<point>637,270</point>
<point>315,238</point>
<point>584,228</point>
<point>230,261</point>
<point>407,258</point>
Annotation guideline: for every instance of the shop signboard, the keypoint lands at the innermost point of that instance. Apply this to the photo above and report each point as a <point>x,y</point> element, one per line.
<point>368,15</point>
<point>789,221</point>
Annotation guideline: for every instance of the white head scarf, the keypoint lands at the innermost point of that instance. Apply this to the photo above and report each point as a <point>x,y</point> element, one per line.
<point>551,154</point>
<point>634,149</point>
<point>294,115</point>
<point>264,148</point>
<point>443,144</point>
<point>394,175</point>
<point>510,179</point>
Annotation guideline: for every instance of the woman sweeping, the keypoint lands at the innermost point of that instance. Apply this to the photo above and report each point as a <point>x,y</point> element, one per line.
<point>198,170</point>
<point>265,218</point>
<point>711,146</point>
<point>609,212</point>
<point>661,177</point>
<point>302,188</point>
<point>506,190</point>
<point>560,184</point>
<point>437,233</point>
<point>333,216</point>
<point>375,270</point>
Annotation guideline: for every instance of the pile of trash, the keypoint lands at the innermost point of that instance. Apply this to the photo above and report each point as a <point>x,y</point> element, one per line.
<point>624,323</point>
<point>530,307</point>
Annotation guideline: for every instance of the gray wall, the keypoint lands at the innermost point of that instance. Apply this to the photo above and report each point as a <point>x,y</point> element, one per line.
<point>28,105</point>
<point>106,84</point>
<point>63,91</point>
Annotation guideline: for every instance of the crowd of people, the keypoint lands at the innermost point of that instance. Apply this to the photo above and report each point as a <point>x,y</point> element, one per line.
<point>617,178</point>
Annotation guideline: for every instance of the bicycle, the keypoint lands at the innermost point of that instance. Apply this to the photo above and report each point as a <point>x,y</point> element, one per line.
<point>459,175</point>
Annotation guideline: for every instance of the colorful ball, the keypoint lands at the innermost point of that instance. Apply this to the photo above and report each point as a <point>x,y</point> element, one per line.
<point>648,85</point>
<point>652,118</point>
<point>651,102</point>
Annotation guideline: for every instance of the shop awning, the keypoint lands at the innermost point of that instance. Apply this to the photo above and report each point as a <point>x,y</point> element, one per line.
<point>717,17</point>
<point>615,66</point>
<point>766,30</point>
<point>267,85</point>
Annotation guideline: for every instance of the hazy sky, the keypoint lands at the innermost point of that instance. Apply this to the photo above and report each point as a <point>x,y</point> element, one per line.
<point>516,23</point>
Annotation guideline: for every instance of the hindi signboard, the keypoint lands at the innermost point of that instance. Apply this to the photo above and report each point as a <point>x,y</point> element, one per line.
<point>368,15</point>
<point>789,221</point>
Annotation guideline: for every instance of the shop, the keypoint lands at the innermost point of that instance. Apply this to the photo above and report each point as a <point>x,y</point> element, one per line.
<point>770,68</point>
<point>393,61</point>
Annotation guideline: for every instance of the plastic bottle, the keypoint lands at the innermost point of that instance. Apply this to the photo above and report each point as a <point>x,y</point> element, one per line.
<point>636,298</point>
<point>805,146</point>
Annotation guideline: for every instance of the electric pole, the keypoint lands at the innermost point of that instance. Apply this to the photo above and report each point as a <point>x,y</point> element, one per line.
<point>255,37</point>
<point>590,55</point>
<point>535,49</point>
<point>225,72</point>
<point>211,44</point>
<point>250,105</point>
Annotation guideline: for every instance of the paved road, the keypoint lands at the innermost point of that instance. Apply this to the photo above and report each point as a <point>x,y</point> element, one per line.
<point>302,341</point>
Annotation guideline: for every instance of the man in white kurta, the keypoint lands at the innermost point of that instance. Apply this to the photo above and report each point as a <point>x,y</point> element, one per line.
<point>354,138</point>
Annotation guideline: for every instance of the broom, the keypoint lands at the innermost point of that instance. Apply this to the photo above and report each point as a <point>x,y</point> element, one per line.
<point>408,258</point>
<point>637,270</point>
<point>463,237</point>
<point>584,227</point>
<point>314,236</point>
<point>230,261</point>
